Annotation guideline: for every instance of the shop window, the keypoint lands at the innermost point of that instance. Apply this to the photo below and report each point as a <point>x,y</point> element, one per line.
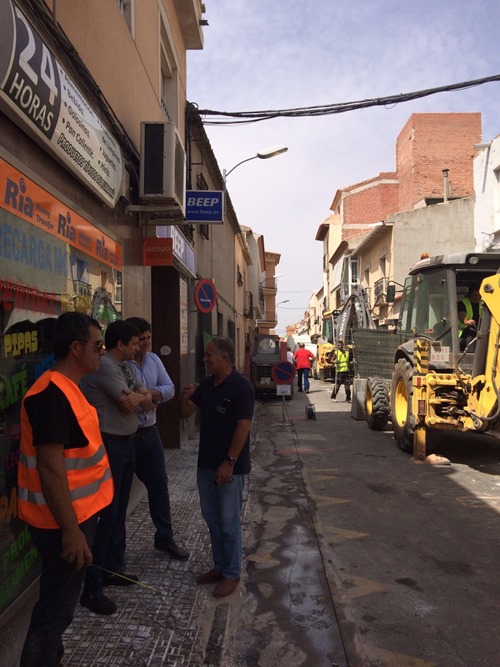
<point>118,288</point>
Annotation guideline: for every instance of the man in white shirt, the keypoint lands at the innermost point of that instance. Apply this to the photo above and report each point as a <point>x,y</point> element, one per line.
<point>149,454</point>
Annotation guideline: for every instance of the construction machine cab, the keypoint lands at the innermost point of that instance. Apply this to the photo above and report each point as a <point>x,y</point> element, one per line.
<point>429,307</point>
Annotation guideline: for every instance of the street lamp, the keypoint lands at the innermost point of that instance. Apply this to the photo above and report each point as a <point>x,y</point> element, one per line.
<point>285,301</point>
<point>264,154</point>
<point>273,278</point>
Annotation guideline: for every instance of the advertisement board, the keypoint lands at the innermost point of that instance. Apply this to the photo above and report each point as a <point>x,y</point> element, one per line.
<point>37,91</point>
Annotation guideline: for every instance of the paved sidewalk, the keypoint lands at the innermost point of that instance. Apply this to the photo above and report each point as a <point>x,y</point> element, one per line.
<point>281,614</point>
<point>170,625</point>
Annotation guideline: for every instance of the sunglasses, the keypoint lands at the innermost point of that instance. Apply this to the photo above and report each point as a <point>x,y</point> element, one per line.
<point>98,346</point>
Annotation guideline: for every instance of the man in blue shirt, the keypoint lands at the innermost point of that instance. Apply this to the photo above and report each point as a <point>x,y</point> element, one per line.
<point>226,402</point>
<point>149,454</point>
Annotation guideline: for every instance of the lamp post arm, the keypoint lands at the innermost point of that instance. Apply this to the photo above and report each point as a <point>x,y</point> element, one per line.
<point>226,173</point>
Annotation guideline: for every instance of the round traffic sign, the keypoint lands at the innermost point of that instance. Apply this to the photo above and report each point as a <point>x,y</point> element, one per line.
<point>205,295</point>
<point>283,372</point>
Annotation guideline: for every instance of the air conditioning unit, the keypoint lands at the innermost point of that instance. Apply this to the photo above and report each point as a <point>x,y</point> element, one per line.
<point>163,165</point>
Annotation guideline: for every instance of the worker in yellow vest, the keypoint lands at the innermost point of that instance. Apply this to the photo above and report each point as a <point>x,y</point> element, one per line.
<point>64,480</point>
<point>340,357</point>
<point>469,310</point>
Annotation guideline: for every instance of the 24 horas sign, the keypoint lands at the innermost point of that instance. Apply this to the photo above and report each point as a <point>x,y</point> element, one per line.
<point>38,93</point>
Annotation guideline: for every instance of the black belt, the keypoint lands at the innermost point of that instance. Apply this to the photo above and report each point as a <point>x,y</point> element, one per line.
<point>118,437</point>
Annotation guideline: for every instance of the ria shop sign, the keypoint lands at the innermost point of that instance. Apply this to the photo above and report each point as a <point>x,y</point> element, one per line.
<point>204,207</point>
<point>38,93</point>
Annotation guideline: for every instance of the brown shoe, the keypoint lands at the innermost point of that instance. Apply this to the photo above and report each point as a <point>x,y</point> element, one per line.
<point>210,577</point>
<point>226,587</point>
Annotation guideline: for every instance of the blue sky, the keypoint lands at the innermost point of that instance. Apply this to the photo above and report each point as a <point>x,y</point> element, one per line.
<point>278,54</point>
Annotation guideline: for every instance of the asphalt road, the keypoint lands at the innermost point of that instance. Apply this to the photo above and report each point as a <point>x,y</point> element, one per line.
<point>356,556</point>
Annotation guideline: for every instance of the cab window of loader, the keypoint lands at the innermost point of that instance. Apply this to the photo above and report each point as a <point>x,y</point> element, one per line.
<point>428,309</point>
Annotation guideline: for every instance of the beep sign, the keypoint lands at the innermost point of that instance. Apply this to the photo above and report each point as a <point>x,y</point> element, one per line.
<point>204,206</point>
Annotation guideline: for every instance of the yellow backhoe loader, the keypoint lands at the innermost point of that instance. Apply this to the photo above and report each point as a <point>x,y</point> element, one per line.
<point>423,379</point>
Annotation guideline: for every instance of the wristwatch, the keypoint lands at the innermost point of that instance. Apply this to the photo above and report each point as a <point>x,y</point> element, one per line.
<point>231,460</point>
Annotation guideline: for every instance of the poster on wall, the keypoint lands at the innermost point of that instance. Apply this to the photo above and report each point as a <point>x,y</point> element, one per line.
<point>51,260</point>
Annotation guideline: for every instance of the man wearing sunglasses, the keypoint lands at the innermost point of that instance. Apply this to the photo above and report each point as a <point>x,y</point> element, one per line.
<point>149,453</point>
<point>115,392</point>
<point>64,481</point>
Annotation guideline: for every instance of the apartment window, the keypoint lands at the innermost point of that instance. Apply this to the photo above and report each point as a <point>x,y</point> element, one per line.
<point>126,8</point>
<point>354,270</point>
<point>169,92</point>
<point>383,266</point>
<point>231,329</point>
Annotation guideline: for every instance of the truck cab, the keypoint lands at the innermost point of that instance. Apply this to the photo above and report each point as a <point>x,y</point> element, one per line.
<point>265,351</point>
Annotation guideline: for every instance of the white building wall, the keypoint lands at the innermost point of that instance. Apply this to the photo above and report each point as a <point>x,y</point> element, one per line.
<point>487,192</point>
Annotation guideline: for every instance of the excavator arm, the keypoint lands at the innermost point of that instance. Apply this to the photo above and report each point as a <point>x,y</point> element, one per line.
<point>355,314</point>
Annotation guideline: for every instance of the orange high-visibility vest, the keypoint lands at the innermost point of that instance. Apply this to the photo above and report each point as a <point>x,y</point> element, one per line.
<point>87,468</point>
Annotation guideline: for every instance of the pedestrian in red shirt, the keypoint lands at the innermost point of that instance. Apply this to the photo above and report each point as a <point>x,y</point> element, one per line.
<point>302,362</point>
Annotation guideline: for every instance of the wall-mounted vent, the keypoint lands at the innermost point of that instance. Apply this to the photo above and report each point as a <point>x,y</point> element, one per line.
<point>163,164</point>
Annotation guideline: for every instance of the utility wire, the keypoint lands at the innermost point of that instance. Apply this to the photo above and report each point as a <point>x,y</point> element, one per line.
<point>222,117</point>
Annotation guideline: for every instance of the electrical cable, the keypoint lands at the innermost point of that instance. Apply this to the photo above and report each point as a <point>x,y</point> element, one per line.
<point>222,117</point>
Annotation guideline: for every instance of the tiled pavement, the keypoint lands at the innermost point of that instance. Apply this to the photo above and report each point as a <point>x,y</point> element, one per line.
<point>167,626</point>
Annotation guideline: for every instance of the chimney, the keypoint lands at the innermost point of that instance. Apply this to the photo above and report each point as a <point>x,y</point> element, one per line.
<point>445,184</point>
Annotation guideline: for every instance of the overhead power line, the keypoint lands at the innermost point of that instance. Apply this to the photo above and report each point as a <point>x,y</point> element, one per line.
<point>239,117</point>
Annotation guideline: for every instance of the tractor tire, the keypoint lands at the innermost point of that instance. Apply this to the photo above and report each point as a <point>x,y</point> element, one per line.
<point>377,404</point>
<point>401,404</point>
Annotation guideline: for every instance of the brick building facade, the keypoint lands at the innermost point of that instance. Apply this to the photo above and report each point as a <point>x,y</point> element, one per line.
<point>429,143</point>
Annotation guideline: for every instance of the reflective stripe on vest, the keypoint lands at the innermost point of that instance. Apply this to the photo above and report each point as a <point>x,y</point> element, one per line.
<point>68,463</point>
<point>38,498</point>
<point>87,469</point>
<point>342,361</point>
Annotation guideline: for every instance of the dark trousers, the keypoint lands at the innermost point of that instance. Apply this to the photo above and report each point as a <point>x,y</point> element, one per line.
<point>60,587</point>
<point>343,379</point>
<point>468,335</point>
<point>120,451</point>
<point>303,377</point>
<point>150,469</point>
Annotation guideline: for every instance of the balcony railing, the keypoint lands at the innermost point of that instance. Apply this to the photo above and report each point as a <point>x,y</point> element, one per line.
<point>380,289</point>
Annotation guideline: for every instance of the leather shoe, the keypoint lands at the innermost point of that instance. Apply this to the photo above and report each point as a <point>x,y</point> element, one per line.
<point>210,577</point>
<point>119,579</point>
<point>225,587</point>
<point>173,550</point>
<point>99,604</point>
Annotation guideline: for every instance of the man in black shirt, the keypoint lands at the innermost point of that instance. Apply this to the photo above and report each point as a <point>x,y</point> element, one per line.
<point>226,401</point>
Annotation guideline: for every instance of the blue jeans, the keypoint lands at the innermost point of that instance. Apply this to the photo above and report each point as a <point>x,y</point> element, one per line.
<point>150,469</point>
<point>303,377</point>
<point>111,523</point>
<point>60,587</point>
<point>221,509</point>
